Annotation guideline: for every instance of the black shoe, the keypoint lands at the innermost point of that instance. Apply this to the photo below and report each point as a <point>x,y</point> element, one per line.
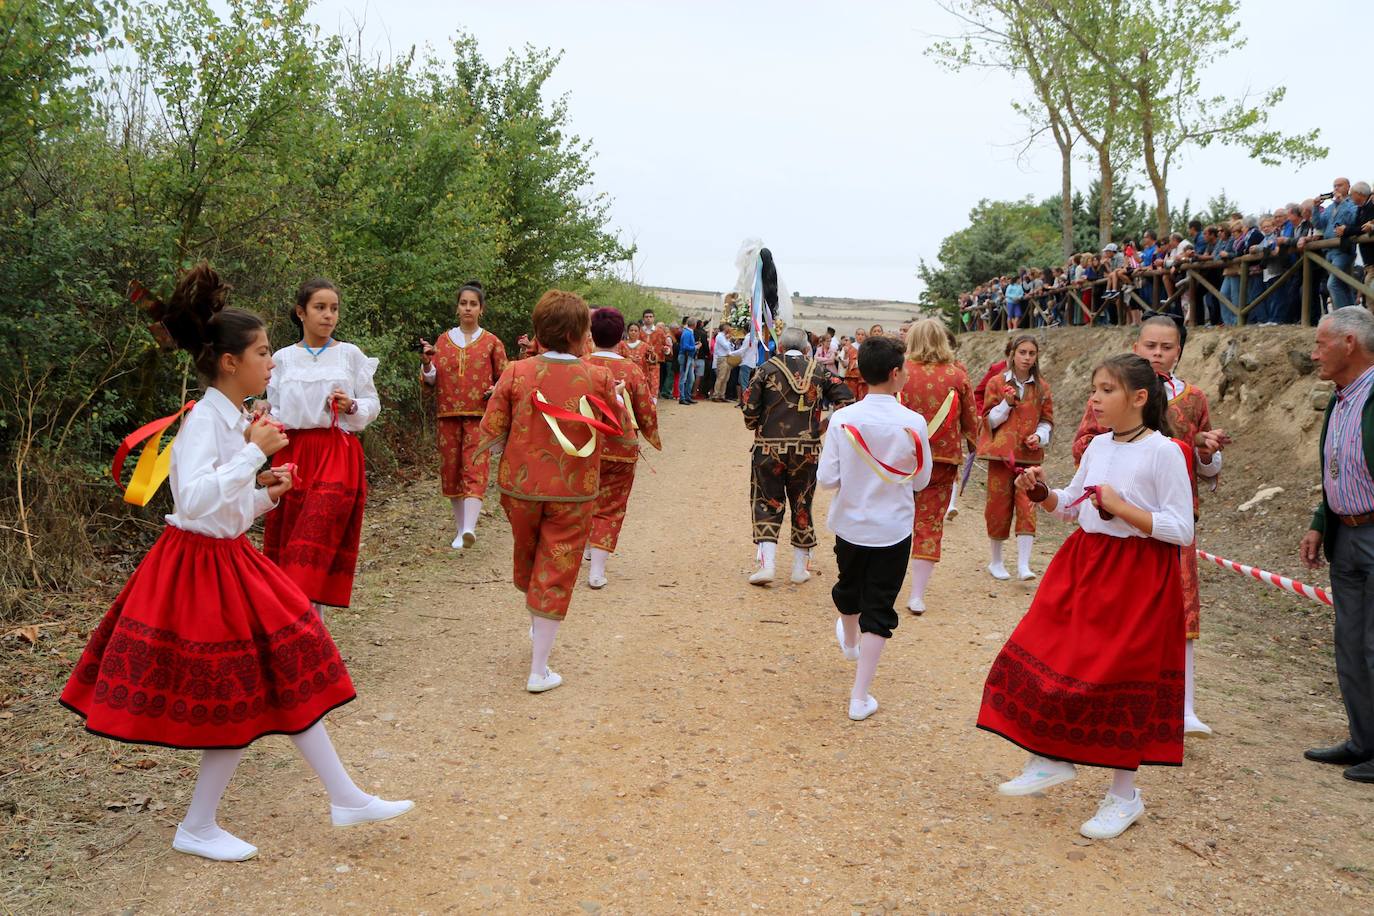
<point>1340,755</point>
<point>1361,772</point>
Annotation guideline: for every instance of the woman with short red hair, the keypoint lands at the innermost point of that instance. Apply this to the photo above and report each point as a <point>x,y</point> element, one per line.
<point>544,418</point>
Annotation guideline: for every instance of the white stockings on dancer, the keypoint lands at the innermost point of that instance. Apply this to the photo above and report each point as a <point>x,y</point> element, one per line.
<point>801,562</point>
<point>543,631</point>
<point>1192,725</point>
<point>348,804</point>
<point>1123,784</point>
<point>456,503</point>
<point>596,575</point>
<point>997,567</point>
<point>861,703</point>
<point>472,509</point>
<point>319,610</point>
<point>1024,543</point>
<point>198,832</point>
<point>920,572</point>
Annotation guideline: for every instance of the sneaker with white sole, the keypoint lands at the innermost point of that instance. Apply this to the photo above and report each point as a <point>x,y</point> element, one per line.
<point>862,709</point>
<point>916,605</point>
<point>1025,574</point>
<point>998,571</point>
<point>596,581</point>
<point>469,538</point>
<point>378,809</point>
<point>547,681</point>
<point>1039,774</point>
<point>762,576</point>
<point>952,514</point>
<point>851,653</point>
<point>222,846</point>
<point>457,541</point>
<point>1113,816</point>
<point>1194,727</point>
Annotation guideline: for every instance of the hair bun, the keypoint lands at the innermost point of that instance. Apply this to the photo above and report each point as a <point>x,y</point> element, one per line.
<point>475,284</point>
<point>199,295</point>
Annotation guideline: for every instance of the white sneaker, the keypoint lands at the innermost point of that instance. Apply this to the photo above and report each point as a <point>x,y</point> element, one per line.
<point>761,576</point>
<point>469,538</point>
<point>596,581</point>
<point>222,847</point>
<point>1039,774</point>
<point>1025,573</point>
<point>1113,816</point>
<point>851,653</point>
<point>800,575</point>
<point>379,809</point>
<point>549,680</point>
<point>916,605</point>
<point>457,541</point>
<point>1195,727</point>
<point>998,571</point>
<point>862,709</point>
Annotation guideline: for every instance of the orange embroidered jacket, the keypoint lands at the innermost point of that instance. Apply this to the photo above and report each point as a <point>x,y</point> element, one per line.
<point>534,465</point>
<point>466,374</point>
<point>1189,415</point>
<point>658,343</point>
<point>851,363</point>
<point>927,386</point>
<point>639,355</point>
<point>1008,441</point>
<point>638,399</point>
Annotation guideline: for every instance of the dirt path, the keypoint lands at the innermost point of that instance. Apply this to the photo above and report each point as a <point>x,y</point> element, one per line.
<point>698,757</point>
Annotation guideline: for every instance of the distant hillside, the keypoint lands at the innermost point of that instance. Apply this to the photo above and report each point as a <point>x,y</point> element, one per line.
<point>814,313</point>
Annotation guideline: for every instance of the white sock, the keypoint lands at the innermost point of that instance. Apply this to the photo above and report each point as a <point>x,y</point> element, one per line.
<point>870,650</point>
<point>544,632</point>
<point>318,751</point>
<point>319,610</point>
<point>850,622</point>
<point>216,769</point>
<point>920,572</point>
<point>801,556</point>
<point>953,500</point>
<point>768,553</point>
<point>598,570</point>
<point>1188,681</point>
<point>1024,543</point>
<point>996,552</point>
<point>472,508</point>
<point>1123,784</point>
<point>457,505</point>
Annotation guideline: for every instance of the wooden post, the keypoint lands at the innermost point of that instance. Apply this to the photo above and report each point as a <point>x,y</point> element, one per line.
<point>1242,293</point>
<point>1307,289</point>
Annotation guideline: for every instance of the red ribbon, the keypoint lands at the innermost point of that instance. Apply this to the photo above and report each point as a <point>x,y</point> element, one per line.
<point>146,431</point>
<point>858,437</point>
<point>610,428</point>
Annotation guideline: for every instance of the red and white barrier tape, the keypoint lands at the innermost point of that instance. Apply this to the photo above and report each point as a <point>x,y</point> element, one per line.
<point>1280,582</point>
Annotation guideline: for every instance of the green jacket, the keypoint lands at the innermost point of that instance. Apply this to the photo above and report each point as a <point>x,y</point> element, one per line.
<point>1324,519</point>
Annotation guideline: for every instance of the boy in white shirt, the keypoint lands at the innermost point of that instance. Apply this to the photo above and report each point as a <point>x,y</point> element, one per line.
<point>867,458</point>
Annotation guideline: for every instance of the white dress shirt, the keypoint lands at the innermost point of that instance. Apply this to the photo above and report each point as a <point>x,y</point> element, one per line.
<point>214,489</point>
<point>999,414</point>
<point>867,510</point>
<point>1149,473</point>
<point>723,348</point>
<point>301,384</point>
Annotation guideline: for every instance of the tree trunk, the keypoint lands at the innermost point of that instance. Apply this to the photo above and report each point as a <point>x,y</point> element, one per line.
<point>1147,142</point>
<point>1063,138</point>
<point>1107,179</point>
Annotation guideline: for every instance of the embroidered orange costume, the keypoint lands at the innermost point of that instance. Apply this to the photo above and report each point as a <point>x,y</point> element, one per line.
<point>547,493</point>
<point>620,453</point>
<point>658,349</point>
<point>637,351</point>
<point>1189,415</point>
<point>855,382</point>
<point>928,387</point>
<point>1005,450</point>
<point>463,377</point>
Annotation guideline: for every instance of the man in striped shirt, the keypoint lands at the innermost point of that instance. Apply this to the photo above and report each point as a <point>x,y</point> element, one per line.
<point>1343,526</point>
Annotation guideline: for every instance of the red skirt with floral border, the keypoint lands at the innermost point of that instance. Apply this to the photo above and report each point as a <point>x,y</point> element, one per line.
<point>208,646</point>
<point>1093,674</point>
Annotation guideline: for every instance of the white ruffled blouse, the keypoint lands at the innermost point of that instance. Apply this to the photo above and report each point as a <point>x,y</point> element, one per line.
<point>301,384</point>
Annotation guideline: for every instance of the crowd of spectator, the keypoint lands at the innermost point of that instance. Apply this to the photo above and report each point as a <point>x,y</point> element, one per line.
<point>1125,283</point>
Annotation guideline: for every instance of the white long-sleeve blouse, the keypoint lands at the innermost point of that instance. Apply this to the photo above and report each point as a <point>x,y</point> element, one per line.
<point>301,384</point>
<point>214,471</point>
<point>1150,473</point>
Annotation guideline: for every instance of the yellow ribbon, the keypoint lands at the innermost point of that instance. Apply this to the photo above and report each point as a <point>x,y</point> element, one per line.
<point>942,414</point>
<point>584,408</point>
<point>868,459</point>
<point>154,464</point>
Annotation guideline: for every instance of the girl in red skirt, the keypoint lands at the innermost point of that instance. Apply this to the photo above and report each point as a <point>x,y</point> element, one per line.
<point>1093,674</point>
<point>210,646</point>
<point>322,392</point>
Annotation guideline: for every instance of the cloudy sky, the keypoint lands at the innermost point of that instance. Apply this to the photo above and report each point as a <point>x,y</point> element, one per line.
<point>824,129</point>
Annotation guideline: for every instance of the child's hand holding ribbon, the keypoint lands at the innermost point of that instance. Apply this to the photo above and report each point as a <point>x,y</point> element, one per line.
<point>282,480</point>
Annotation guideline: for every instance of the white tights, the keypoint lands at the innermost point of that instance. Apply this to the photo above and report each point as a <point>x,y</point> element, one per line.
<point>217,768</point>
<point>543,631</point>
